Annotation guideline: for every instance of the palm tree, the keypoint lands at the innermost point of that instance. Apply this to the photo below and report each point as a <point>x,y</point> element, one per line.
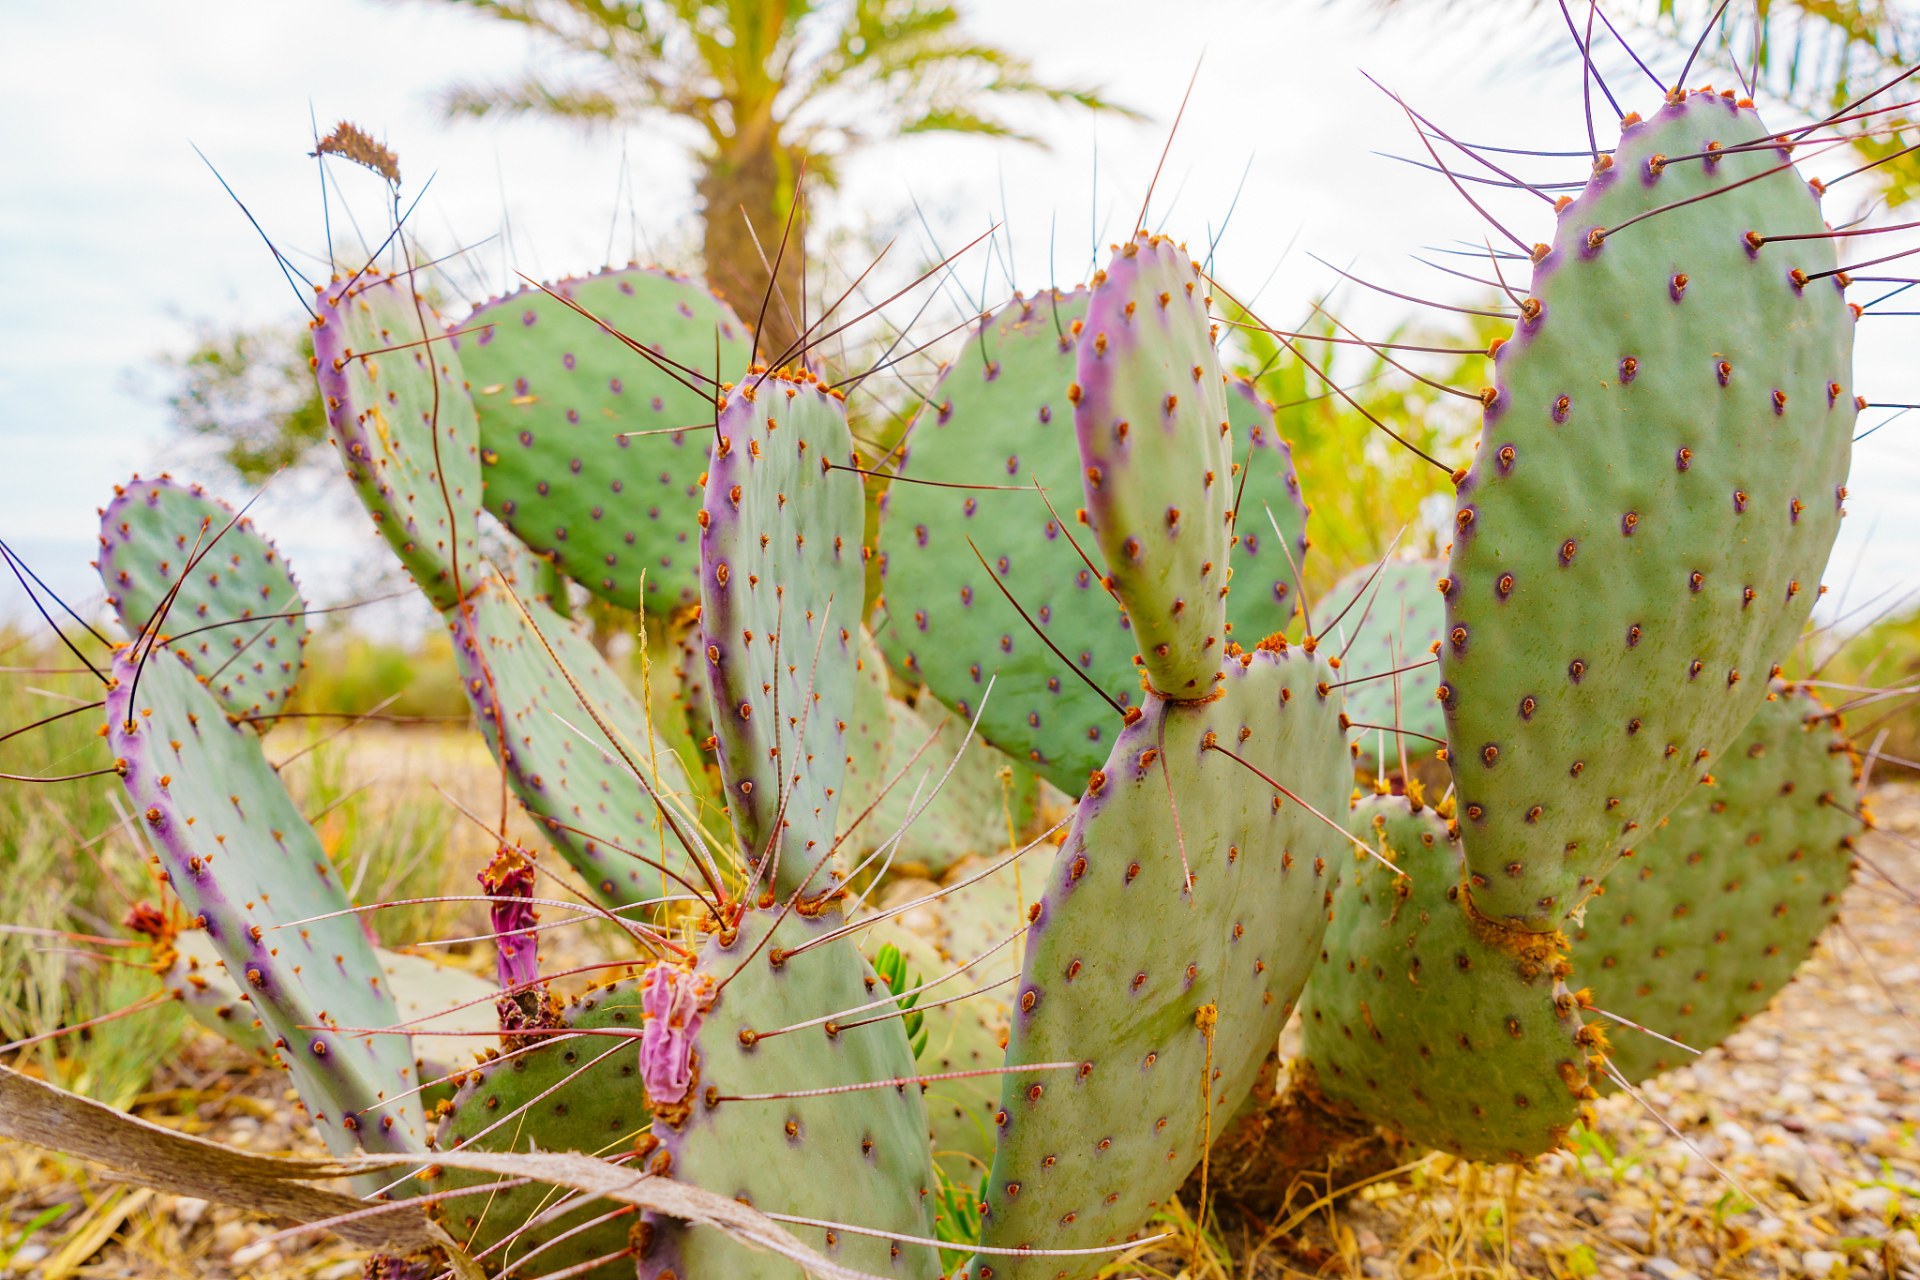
<point>779,87</point>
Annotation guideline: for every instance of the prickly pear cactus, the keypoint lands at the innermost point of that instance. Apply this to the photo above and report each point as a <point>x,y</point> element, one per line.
<point>1712,915</point>
<point>1085,1154</point>
<point>424,991</point>
<point>781,589</point>
<point>1395,623</point>
<point>558,396</point>
<point>1000,415</point>
<point>404,426</point>
<point>1267,595</point>
<point>1437,1027</point>
<point>582,791</point>
<point>566,1093</point>
<point>1150,412</point>
<point>967,816</point>
<point>869,738</point>
<point>974,918</point>
<point>148,533</point>
<point>242,861</point>
<point>1658,483</point>
<point>858,1157</point>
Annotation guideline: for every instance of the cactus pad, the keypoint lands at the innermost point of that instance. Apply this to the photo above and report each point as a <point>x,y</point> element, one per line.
<point>556,393</point>
<point>1150,412</point>
<point>869,739</point>
<point>781,571</point>
<point>581,1094</point>
<point>858,1157</point>
<point>969,813</point>
<point>422,988</point>
<point>1431,1025</point>
<point>1398,619</point>
<point>404,428</point>
<point>1658,483</point>
<point>1713,914</point>
<point>1000,415</point>
<point>1266,593</point>
<point>242,860</point>
<point>148,533</point>
<point>581,792</point>
<point>1084,1155</point>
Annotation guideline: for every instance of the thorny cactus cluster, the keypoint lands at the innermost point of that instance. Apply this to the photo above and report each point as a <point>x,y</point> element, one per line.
<point>1088,561</point>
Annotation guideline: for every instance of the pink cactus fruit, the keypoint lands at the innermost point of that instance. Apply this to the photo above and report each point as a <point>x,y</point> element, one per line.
<point>673,1003</point>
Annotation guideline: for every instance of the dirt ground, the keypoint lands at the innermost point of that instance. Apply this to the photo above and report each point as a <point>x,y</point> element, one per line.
<point>1809,1113</point>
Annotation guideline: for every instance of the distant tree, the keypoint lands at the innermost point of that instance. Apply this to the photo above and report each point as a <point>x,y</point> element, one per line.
<point>251,392</point>
<point>773,84</point>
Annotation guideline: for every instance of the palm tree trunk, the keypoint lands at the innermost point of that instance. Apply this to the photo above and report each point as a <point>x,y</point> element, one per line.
<point>750,179</point>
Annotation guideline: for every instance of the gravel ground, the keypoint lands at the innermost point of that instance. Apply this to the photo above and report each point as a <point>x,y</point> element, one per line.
<point>1795,1154</point>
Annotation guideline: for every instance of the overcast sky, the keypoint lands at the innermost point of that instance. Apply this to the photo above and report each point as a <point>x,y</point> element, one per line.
<point>114,236</point>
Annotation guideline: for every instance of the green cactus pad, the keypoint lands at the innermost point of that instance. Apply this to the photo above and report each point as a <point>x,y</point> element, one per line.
<point>1713,914</point>
<point>781,568</point>
<point>972,920</point>
<point>1266,592</point>
<point>404,428</point>
<point>581,792</point>
<point>194,974</point>
<point>422,988</point>
<point>869,739</point>
<point>1435,1028</point>
<point>1658,484</point>
<point>593,1103</point>
<point>1400,615</point>
<point>242,860</point>
<point>962,1036</point>
<point>148,533</point>
<point>858,1157</point>
<point>969,813</point>
<point>1000,415</point>
<point>556,393</point>
<point>1086,1154</point>
<point>1150,412</point>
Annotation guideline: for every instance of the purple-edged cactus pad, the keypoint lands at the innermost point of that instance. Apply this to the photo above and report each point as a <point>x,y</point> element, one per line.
<point>859,1157</point>
<point>405,427</point>
<point>1000,415</point>
<point>1266,595</point>
<point>240,857</point>
<point>1150,411</point>
<point>1394,624</point>
<point>1418,1017</point>
<point>1659,479</point>
<point>148,533</point>
<point>781,574</point>
<point>1086,1155</point>
<point>581,791</point>
<point>1712,916</point>
<point>557,396</point>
